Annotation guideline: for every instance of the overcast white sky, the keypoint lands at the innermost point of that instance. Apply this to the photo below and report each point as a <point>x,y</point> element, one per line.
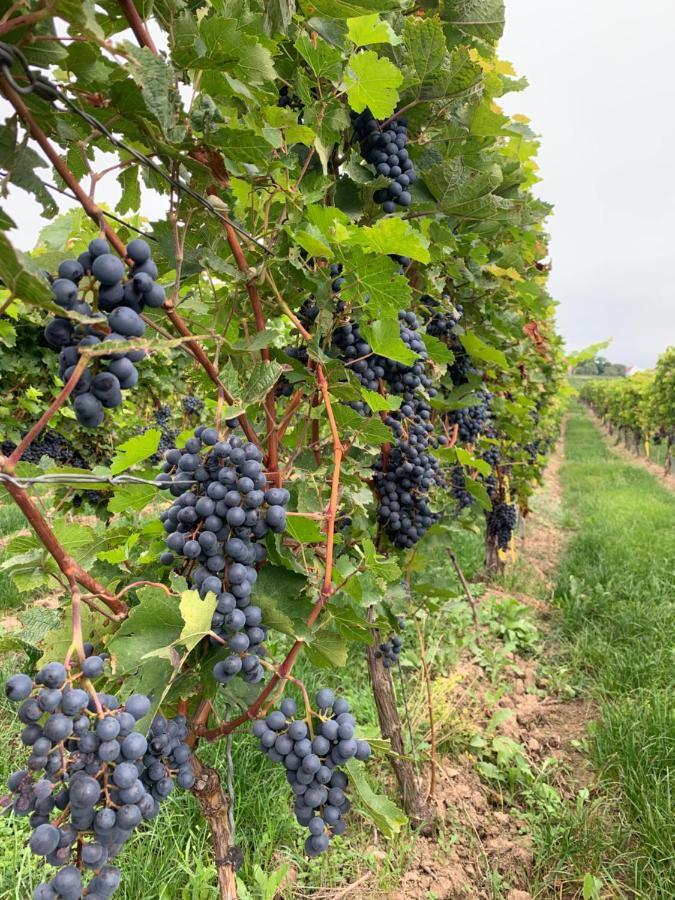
<point>602,96</point>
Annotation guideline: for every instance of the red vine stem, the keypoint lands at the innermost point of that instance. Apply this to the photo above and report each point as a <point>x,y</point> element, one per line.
<point>58,402</point>
<point>137,25</point>
<point>21,21</point>
<point>65,562</point>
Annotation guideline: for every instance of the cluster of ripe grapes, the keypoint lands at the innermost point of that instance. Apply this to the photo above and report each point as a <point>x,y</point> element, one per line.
<point>501,522</point>
<point>287,100</point>
<point>463,498</point>
<point>50,444</point>
<point>384,147</point>
<point>312,759</point>
<point>471,421</point>
<point>192,405</point>
<point>390,651</point>
<point>91,777</point>
<point>222,512</point>
<point>99,275</point>
<point>443,323</point>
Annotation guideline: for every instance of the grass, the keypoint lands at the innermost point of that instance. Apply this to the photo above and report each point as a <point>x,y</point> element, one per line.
<point>616,593</point>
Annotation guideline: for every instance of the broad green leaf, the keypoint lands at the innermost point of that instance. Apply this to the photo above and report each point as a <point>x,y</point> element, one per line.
<point>475,18</point>
<point>384,336</point>
<point>374,282</point>
<point>263,376</point>
<point>479,492</point>
<point>425,43</point>
<point>364,30</point>
<point>153,624</point>
<point>327,649</point>
<point>197,615</point>
<point>371,430</point>
<point>278,592</point>
<point>324,60</point>
<point>131,496</point>
<point>305,530</point>
<point>135,450</point>
<point>458,189</point>
<point>17,276</point>
<point>314,242</point>
<point>391,236</point>
<point>372,81</point>
<point>472,462</point>
<point>480,350</point>
<point>347,9</point>
<point>438,351</point>
<point>378,402</point>
<point>382,812</point>
<point>379,565</point>
<point>156,78</point>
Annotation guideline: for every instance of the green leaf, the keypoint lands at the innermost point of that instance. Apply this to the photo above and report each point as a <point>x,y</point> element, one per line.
<point>156,78</point>
<point>17,276</point>
<point>372,81</point>
<point>263,377</point>
<point>472,462</point>
<point>313,241</point>
<point>278,592</point>
<point>460,190</point>
<point>480,350</point>
<point>475,18</point>
<point>327,649</point>
<point>437,350</point>
<point>479,492</point>
<point>135,450</point>
<point>347,9</point>
<point>153,624</point>
<point>304,529</point>
<point>392,236</point>
<point>377,565</point>
<point>384,336</point>
<point>197,615</point>
<point>364,30</point>
<point>375,281</point>
<point>382,812</point>
<point>131,496</point>
<point>324,60</point>
<point>378,403</point>
<point>425,43</point>
<point>371,430</point>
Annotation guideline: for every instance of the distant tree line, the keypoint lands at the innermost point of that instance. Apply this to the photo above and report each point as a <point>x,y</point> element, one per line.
<point>599,366</point>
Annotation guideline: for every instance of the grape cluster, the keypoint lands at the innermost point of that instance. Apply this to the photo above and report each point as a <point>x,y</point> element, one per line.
<point>97,272</point>
<point>386,151</point>
<point>49,444</point>
<point>471,421</point>
<point>390,651</point>
<point>93,498</point>
<point>442,324</point>
<point>492,456</point>
<point>501,522</point>
<point>91,777</point>
<point>222,512</point>
<point>312,763</point>
<point>192,405</point>
<point>287,100</point>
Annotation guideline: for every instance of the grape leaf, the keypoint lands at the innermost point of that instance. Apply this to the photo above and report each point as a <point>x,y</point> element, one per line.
<point>391,236</point>
<point>384,336</point>
<point>382,812</point>
<point>372,81</point>
<point>153,624</point>
<point>197,615</point>
<point>327,649</point>
<point>480,350</point>
<point>364,30</point>
<point>135,450</point>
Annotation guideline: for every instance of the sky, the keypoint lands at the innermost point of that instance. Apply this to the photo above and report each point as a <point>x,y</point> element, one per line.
<point>602,97</point>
